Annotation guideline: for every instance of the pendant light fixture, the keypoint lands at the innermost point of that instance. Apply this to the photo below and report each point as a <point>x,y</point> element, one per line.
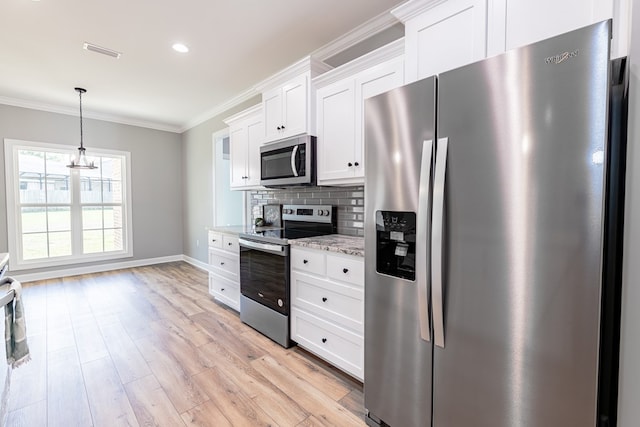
<point>80,160</point>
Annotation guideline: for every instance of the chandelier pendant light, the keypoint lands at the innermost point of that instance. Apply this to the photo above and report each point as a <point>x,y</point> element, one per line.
<point>80,161</point>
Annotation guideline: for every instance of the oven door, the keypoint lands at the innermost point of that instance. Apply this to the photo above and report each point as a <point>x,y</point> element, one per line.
<point>264,274</point>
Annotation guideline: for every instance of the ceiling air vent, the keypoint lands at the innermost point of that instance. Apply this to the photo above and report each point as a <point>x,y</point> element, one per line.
<point>102,50</point>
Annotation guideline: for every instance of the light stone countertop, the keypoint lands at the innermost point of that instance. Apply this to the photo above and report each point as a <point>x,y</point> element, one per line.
<point>340,243</point>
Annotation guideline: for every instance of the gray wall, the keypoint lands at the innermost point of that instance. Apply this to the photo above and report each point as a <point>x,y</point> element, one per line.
<point>197,164</point>
<point>629,397</point>
<point>156,170</point>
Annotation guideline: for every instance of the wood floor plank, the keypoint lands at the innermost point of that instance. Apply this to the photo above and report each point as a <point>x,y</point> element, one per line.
<point>283,409</point>
<point>325,409</point>
<point>32,415</point>
<point>236,406</point>
<point>125,355</point>
<point>151,404</point>
<point>205,415</point>
<point>183,392</point>
<point>67,403</point>
<point>174,357</point>
<point>108,401</point>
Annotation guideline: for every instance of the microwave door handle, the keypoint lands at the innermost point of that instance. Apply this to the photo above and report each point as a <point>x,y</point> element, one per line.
<point>293,161</point>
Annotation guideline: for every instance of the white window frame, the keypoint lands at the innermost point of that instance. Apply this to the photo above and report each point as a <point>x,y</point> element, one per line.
<point>14,232</point>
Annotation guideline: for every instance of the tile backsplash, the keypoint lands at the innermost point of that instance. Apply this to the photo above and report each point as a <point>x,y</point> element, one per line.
<point>348,200</point>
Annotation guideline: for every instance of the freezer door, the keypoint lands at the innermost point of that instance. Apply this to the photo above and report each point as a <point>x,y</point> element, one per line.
<point>399,136</point>
<point>522,225</point>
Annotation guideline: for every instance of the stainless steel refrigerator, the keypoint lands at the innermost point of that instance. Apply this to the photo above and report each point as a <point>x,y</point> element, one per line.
<point>486,221</point>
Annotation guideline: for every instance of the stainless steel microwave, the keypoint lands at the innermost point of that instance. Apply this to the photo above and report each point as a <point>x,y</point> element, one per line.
<point>289,162</point>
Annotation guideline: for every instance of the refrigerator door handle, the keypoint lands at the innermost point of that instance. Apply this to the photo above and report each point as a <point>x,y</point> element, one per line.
<point>437,240</point>
<point>422,238</point>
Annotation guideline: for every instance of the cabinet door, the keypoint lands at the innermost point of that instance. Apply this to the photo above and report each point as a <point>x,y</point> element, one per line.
<point>447,36</point>
<point>272,114</point>
<point>377,80</point>
<point>295,107</point>
<point>512,22</point>
<point>238,154</point>
<point>255,132</point>
<point>336,130</point>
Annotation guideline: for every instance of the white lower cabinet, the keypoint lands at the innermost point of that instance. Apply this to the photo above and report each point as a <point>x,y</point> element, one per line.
<point>224,269</point>
<point>327,307</point>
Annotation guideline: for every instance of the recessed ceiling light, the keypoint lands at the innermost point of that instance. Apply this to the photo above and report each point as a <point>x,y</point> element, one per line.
<point>179,47</point>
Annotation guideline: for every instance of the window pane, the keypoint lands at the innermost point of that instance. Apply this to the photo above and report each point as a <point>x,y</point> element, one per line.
<point>113,240</point>
<point>31,176</point>
<point>113,217</point>
<point>112,168</point>
<point>112,191</point>
<point>34,246</point>
<point>59,219</point>
<point>90,190</point>
<point>91,217</point>
<point>92,241</point>
<point>57,178</point>
<point>60,244</point>
<point>34,220</point>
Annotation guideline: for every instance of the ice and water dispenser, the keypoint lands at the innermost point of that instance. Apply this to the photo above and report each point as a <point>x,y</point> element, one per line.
<point>396,244</point>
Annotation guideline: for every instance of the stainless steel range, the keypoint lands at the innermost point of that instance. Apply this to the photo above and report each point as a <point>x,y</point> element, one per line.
<point>264,267</point>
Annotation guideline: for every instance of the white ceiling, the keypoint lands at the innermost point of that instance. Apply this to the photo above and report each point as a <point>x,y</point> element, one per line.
<point>234,45</point>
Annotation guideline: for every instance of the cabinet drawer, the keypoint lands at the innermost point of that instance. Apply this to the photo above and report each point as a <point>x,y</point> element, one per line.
<point>215,240</point>
<point>346,269</point>
<point>308,261</point>
<point>225,291</point>
<point>338,346</point>
<point>340,303</point>
<point>230,243</point>
<point>224,264</point>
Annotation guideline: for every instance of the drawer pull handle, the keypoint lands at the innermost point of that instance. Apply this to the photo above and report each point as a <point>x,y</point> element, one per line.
<point>213,240</point>
<point>304,261</point>
<point>345,270</point>
<point>324,340</point>
<point>324,299</point>
<point>221,289</point>
<point>222,263</point>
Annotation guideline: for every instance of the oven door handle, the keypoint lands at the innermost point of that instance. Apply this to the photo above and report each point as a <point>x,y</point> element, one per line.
<point>277,249</point>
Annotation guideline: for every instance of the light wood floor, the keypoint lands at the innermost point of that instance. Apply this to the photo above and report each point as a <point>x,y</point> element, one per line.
<point>148,346</point>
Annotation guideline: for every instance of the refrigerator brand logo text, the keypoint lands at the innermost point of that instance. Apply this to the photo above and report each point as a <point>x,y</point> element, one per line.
<point>557,59</point>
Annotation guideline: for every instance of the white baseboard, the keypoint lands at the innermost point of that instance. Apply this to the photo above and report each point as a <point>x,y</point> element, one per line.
<point>196,263</point>
<point>64,272</point>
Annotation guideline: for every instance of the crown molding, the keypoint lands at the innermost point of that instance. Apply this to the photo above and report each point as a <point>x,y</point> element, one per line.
<point>50,108</point>
<point>308,64</point>
<point>413,8</point>
<point>220,109</point>
<point>355,36</point>
<point>385,53</point>
<point>243,114</point>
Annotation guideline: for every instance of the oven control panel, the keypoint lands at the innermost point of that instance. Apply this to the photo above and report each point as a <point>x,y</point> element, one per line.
<point>311,213</point>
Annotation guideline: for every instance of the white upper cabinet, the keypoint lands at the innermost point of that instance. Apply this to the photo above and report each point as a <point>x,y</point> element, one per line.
<point>515,23</point>
<point>340,111</point>
<point>442,35</point>
<point>288,101</point>
<point>246,131</point>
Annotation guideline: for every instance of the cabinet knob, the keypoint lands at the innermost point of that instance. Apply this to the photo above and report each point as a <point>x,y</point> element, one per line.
<point>304,261</point>
<point>222,263</point>
<point>282,127</point>
<point>230,244</point>
<point>357,164</point>
<point>324,299</point>
<point>345,270</point>
<point>349,164</point>
<point>324,340</point>
<point>213,240</point>
<point>221,289</point>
